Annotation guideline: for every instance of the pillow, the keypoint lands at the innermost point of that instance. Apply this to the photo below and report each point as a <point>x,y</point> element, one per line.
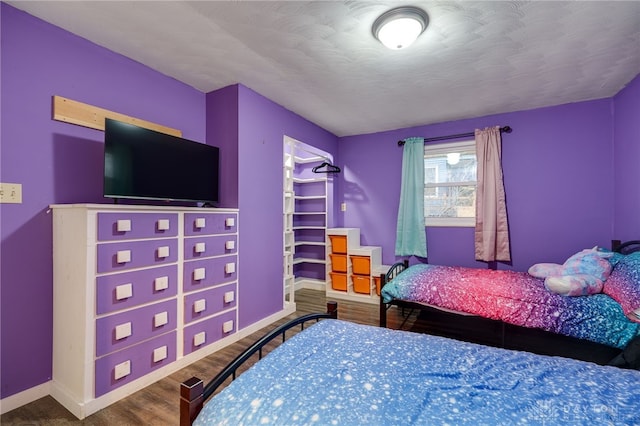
<point>623,285</point>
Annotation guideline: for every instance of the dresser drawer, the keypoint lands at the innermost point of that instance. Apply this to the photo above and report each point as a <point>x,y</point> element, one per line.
<point>128,226</point>
<point>199,274</point>
<point>200,247</point>
<point>210,223</point>
<point>115,292</point>
<point>113,257</point>
<point>117,369</point>
<point>203,333</point>
<point>118,331</point>
<point>209,302</point>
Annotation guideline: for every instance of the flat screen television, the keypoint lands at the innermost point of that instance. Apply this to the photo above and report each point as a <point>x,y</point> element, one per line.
<point>144,164</point>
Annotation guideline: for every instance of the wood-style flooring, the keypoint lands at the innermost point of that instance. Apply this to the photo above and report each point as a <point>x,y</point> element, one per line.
<point>158,404</point>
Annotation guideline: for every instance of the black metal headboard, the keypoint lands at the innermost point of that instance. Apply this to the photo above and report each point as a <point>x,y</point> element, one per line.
<point>626,247</point>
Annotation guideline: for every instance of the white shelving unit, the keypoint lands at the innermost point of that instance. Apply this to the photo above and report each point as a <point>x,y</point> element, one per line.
<point>352,269</point>
<point>305,218</point>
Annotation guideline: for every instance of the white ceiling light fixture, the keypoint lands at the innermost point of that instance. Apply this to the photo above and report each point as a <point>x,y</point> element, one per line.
<point>399,27</point>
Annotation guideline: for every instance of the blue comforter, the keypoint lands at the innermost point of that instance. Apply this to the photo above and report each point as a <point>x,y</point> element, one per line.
<point>340,373</point>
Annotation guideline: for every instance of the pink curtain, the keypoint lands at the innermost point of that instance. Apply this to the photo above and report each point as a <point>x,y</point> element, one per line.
<point>492,227</point>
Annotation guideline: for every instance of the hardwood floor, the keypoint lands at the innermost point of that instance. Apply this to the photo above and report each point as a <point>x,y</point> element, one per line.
<point>157,404</point>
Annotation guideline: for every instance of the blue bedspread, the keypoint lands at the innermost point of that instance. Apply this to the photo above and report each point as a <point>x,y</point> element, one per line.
<point>340,373</point>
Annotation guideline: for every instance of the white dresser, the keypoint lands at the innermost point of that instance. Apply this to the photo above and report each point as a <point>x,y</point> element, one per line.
<point>137,290</point>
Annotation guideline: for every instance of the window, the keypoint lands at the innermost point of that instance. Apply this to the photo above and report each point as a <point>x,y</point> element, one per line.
<point>450,184</point>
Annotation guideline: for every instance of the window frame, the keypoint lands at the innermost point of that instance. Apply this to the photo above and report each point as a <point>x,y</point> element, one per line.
<point>442,149</point>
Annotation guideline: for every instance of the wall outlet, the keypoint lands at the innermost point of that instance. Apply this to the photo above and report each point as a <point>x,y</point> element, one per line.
<point>343,207</point>
<point>11,193</point>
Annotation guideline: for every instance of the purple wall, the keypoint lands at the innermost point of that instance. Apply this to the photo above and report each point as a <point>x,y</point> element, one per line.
<point>59,163</point>
<point>262,125</point>
<point>557,171</point>
<point>222,131</point>
<point>626,157</point>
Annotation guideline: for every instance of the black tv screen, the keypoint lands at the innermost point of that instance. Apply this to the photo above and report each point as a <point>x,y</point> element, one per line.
<point>144,164</point>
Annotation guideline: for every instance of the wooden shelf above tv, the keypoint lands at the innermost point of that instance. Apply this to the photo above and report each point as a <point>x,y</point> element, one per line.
<point>74,112</point>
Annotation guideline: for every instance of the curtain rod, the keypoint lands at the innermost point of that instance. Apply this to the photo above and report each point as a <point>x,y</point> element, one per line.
<point>505,129</point>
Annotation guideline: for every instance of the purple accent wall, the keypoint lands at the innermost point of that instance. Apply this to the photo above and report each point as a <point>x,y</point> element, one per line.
<point>59,163</point>
<point>626,157</point>
<point>222,131</point>
<point>262,126</point>
<point>558,183</point>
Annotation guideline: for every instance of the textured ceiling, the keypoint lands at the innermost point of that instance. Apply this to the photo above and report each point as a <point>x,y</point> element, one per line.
<point>320,60</point>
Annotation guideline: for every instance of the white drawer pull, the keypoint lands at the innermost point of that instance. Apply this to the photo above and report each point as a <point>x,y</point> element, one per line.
<point>163,252</point>
<point>123,256</point>
<point>199,338</point>
<point>123,330</point>
<point>124,291</point>
<point>121,370</point>
<point>199,305</point>
<point>160,319</point>
<point>161,283</point>
<point>201,222</point>
<point>230,222</point>
<point>200,248</point>
<point>227,326</point>
<point>230,245</point>
<point>229,296</point>
<point>163,224</point>
<point>159,353</point>
<point>198,274</point>
<point>123,225</point>
<point>230,268</point>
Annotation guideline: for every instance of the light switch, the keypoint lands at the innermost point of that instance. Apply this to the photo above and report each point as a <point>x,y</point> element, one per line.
<point>229,296</point>
<point>161,283</point>
<point>230,222</point>
<point>227,326</point>
<point>124,291</point>
<point>230,268</point>
<point>163,224</point>
<point>159,353</point>
<point>160,319</point>
<point>230,245</point>
<point>200,248</point>
<point>122,370</point>
<point>163,252</point>
<point>123,256</point>
<point>123,225</point>
<point>199,305</point>
<point>198,274</point>
<point>199,338</point>
<point>123,330</point>
<point>201,222</point>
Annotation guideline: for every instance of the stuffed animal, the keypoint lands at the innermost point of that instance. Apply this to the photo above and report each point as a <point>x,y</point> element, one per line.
<point>582,274</point>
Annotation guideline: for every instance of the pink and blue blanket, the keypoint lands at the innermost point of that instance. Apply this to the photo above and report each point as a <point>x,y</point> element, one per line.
<point>515,298</point>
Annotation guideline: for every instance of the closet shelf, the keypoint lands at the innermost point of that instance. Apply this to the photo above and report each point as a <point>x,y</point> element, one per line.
<point>309,180</point>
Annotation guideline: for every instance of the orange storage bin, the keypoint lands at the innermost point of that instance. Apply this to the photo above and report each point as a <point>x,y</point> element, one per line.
<point>338,262</point>
<point>376,280</point>
<point>361,284</point>
<point>338,244</point>
<point>338,281</point>
<point>361,265</point>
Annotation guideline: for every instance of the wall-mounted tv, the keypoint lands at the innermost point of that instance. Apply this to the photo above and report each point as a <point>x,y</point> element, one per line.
<point>144,164</point>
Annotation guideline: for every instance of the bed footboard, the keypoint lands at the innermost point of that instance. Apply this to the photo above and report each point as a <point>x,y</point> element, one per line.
<point>193,392</point>
<point>393,271</point>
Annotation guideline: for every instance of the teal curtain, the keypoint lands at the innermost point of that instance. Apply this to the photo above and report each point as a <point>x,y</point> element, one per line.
<point>411,239</point>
